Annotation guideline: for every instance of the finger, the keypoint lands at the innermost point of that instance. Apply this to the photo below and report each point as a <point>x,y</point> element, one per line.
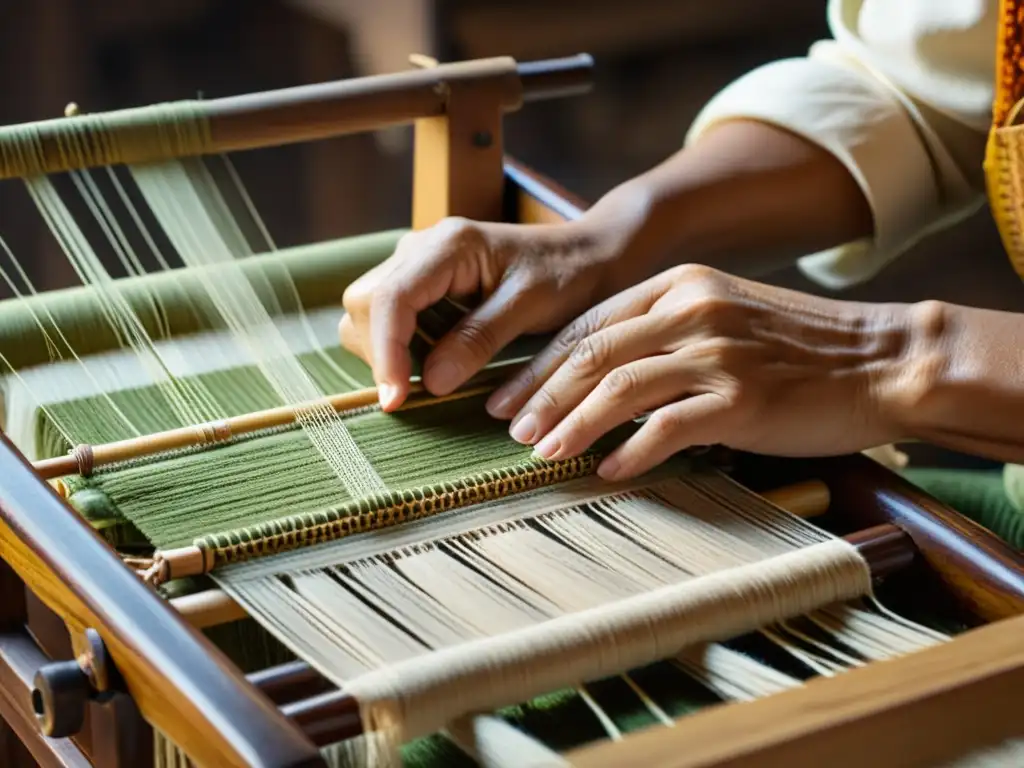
<point>589,363</point>
<point>349,337</point>
<point>410,288</point>
<point>699,420</point>
<point>510,398</point>
<point>622,395</point>
<point>477,338</point>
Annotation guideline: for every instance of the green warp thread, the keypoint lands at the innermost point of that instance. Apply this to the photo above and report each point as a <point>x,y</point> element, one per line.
<point>384,510</point>
<point>174,500</point>
<point>176,301</point>
<point>136,135</point>
<point>235,391</point>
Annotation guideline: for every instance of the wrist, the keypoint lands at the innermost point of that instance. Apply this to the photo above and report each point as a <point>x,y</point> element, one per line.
<point>921,378</point>
<point>621,233</point>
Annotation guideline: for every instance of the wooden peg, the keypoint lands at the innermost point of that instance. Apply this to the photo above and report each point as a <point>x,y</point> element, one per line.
<point>422,61</point>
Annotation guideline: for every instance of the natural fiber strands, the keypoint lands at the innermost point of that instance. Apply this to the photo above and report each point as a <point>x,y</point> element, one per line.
<point>203,231</point>
<point>139,135</point>
<point>417,696</point>
<point>268,478</point>
<point>538,596</point>
<point>319,273</point>
<point>1006,755</point>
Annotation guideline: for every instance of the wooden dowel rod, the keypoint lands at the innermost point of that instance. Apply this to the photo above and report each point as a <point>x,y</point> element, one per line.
<point>368,103</point>
<point>213,607</point>
<point>85,458</point>
<point>311,112</point>
<point>333,716</point>
<point>209,608</point>
<point>887,549</point>
<point>324,110</point>
<point>556,78</point>
<point>327,718</point>
<point>290,682</point>
<point>807,499</point>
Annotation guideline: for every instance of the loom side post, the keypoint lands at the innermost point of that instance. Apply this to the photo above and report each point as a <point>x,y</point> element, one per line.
<point>180,682</point>
<point>457,160</point>
<point>312,112</point>
<point>930,707</point>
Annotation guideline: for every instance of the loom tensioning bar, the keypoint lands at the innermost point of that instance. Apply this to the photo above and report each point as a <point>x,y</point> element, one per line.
<point>86,458</point>
<point>274,118</point>
<point>329,717</point>
<point>213,607</point>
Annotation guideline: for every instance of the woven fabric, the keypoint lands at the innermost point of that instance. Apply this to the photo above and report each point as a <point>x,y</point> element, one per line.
<point>978,494</point>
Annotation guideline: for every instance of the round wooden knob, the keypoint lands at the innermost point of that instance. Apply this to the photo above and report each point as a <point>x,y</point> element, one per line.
<point>60,697</point>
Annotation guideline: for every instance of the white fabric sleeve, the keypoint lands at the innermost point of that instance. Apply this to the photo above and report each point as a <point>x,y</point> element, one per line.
<point>908,166</point>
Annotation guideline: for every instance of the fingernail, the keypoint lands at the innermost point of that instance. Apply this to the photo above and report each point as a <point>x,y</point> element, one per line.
<point>442,378</point>
<point>549,447</point>
<point>387,394</point>
<point>609,469</point>
<point>525,430</point>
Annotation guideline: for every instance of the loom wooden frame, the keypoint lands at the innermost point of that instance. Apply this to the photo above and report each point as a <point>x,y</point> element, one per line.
<point>58,578</point>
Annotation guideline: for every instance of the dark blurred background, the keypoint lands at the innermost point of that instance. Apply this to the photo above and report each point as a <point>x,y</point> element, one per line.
<point>658,62</point>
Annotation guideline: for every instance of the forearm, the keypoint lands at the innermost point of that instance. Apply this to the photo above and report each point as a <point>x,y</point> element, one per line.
<point>746,198</point>
<point>963,386</point>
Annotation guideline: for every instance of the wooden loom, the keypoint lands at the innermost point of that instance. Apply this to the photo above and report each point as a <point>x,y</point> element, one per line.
<point>90,656</point>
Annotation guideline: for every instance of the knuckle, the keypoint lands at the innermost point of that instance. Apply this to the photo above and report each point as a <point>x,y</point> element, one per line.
<point>478,338</point>
<point>705,311</point>
<point>543,401</point>
<point>663,425</point>
<point>570,336</point>
<point>589,357</point>
<point>620,385</point>
<point>696,273</point>
<point>357,296</point>
<point>457,230</point>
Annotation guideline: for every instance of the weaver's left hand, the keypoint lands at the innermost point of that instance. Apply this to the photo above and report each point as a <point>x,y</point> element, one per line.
<point>715,359</point>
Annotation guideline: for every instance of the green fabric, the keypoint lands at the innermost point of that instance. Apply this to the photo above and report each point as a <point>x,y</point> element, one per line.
<point>1013,484</point>
<point>173,501</point>
<point>175,303</point>
<point>977,494</point>
<point>235,391</point>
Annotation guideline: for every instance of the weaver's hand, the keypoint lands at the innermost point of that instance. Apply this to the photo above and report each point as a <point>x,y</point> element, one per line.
<point>532,279</point>
<point>716,360</point>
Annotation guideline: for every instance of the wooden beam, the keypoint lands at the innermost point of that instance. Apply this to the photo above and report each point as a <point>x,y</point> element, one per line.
<point>921,709</point>
<point>457,159</point>
<point>181,683</point>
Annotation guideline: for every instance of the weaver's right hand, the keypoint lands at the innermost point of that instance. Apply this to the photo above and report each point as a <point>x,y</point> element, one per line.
<point>530,279</point>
